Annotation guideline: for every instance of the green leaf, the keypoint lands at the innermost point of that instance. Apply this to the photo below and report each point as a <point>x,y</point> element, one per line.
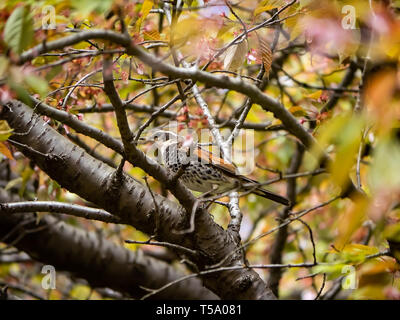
<point>18,32</point>
<point>80,292</point>
<point>357,252</point>
<point>85,7</point>
<point>26,175</point>
<point>22,94</point>
<point>13,183</point>
<point>386,164</point>
<point>53,72</point>
<point>5,130</point>
<point>332,270</point>
<point>37,84</point>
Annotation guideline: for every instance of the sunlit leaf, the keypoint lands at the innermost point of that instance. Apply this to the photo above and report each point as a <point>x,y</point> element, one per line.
<point>151,35</point>
<point>225,28</point>
<point>333,270</point>
<point>187,28</point>
<point>18,31</point>
<point>297,111</point>
<point>344,132</point>
<point>26,175</point>
<point>37,84</point>
<point>235,56</point>
<point>266,54</point>
<point>5,130</point>
<point>392,232</point>
<point>315,95</point>
<point>358,248</point>
<point>386,164</point>
<point>293,21</point>
<point>4,150</point>
<point>13,183</point>
<point>267,5</point>
<point>351,221</point>
<point>85,7</point>
<point>370,292</point>
<point>146,7</point>
<point>80,292</point>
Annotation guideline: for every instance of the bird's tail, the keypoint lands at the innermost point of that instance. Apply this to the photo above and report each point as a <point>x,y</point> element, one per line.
<point>271,196</point>
<point>262,192</point>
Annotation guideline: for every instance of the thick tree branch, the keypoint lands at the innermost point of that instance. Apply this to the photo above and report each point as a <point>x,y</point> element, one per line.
<point>87,255</point>
<point>133,203</point>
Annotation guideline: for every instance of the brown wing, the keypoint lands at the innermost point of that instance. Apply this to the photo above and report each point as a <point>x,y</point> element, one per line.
<point>230,170</point>
<point>220,163</point>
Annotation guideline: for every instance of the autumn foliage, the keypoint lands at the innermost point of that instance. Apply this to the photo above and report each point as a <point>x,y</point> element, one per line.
<point>316,83</point>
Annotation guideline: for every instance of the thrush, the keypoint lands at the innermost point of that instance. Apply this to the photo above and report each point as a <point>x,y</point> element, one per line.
<point>203,170</point>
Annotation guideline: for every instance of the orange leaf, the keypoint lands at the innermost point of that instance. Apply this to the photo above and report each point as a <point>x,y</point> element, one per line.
<point>4,150</point>
<point>151,35</point>
<point>266,54</point>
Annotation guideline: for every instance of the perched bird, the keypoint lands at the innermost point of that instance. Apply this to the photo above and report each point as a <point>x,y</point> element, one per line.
<point>204,171</point>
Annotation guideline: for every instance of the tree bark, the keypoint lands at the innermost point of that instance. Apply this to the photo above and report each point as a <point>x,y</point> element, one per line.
<point>96,182</point>
<point>88,255</point>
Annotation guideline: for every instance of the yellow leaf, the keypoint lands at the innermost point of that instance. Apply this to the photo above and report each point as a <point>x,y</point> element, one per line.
<point>293,22</point>
<point>276,122</point>
<point>264,8</point>
<point>235,56</point>
<point>379,93</point>
<point>188,28</point>
<point>369,292</point>
<point>267,5</point>
<point>297,111</point>
<point>5,130</point>
<point>13,183</point>
<point>359,249</point>
<point>381,265</point>
<point>4,150</point>
<point>146,7</point>
<point>348,142</point>
<point>316,95</point>
<point>80,292</point>
<point>386,163</point>
<point>151,35</point>
<point>351,221</point>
